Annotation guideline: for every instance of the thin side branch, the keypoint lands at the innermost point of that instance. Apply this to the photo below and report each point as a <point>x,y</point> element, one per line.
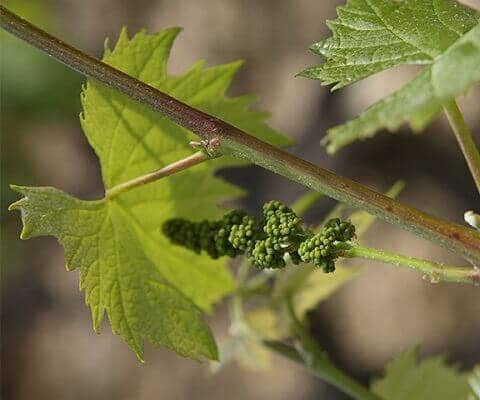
<point>434,272</point>
<point>312,356</point>
<point>305,202</point>
<point>226,139</point>
<point>465,139</point>
<point>320,368</point>
<point>170,169</point>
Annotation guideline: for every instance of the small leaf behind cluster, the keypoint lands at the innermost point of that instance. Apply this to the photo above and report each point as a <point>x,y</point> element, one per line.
<point>407,379</point>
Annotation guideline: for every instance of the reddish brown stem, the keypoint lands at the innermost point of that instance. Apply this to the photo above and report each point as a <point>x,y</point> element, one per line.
<point>223,138</point>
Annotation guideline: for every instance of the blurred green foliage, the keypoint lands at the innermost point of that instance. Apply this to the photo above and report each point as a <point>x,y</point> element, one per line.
<point>34,90</point>
<point>33,84</point>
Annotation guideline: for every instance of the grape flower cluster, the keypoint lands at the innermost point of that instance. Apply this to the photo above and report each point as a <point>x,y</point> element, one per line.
<point>209,236</point>
<point>282,232</point>
<point>322,248</point>
<point>266,244</point>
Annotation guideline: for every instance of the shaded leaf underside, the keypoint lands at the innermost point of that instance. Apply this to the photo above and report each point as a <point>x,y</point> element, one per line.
<point>370,36</point>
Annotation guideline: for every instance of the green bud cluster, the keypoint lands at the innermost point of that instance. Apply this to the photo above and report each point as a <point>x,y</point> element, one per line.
<point>267,253</point>
<point>184,233</point>
<point>281,223</point>
<point>266,244</point>
<point>282,231</point>
<point>343,230</point>
<point>243,235</point>
<point>209,236</point>
<point>321,249</point>
<point>226,224</point>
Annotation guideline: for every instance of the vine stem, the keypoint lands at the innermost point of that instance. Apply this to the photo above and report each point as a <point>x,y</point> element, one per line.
<point>223,138</point>
<point>312,356</point>
<point>325,370</point>
<point>433,271</point>
<point>465,139</point>
<point>170,169</point>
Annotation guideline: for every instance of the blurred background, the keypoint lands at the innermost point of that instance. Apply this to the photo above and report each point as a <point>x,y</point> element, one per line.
<point>48,347</point>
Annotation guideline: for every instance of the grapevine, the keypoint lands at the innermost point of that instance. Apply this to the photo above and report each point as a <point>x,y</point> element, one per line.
<point>139,118</point>
<point>213,237</point>
<point>279,236</point>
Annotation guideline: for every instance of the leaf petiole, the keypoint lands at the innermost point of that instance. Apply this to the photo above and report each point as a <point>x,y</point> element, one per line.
<point>170,169</point>
<point>465,139</point>
<point>433,271</point>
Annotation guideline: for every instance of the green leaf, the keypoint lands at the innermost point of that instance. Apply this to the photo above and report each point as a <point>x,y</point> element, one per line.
<point>247,350</point>
<point>149,288</point>
<point>405,379</point>
<point>309,286</point>
<point>372,35</point>
<point>419,101</point>
<point>268,323</point>
<point>413,103</point>
<point>115,273</point>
